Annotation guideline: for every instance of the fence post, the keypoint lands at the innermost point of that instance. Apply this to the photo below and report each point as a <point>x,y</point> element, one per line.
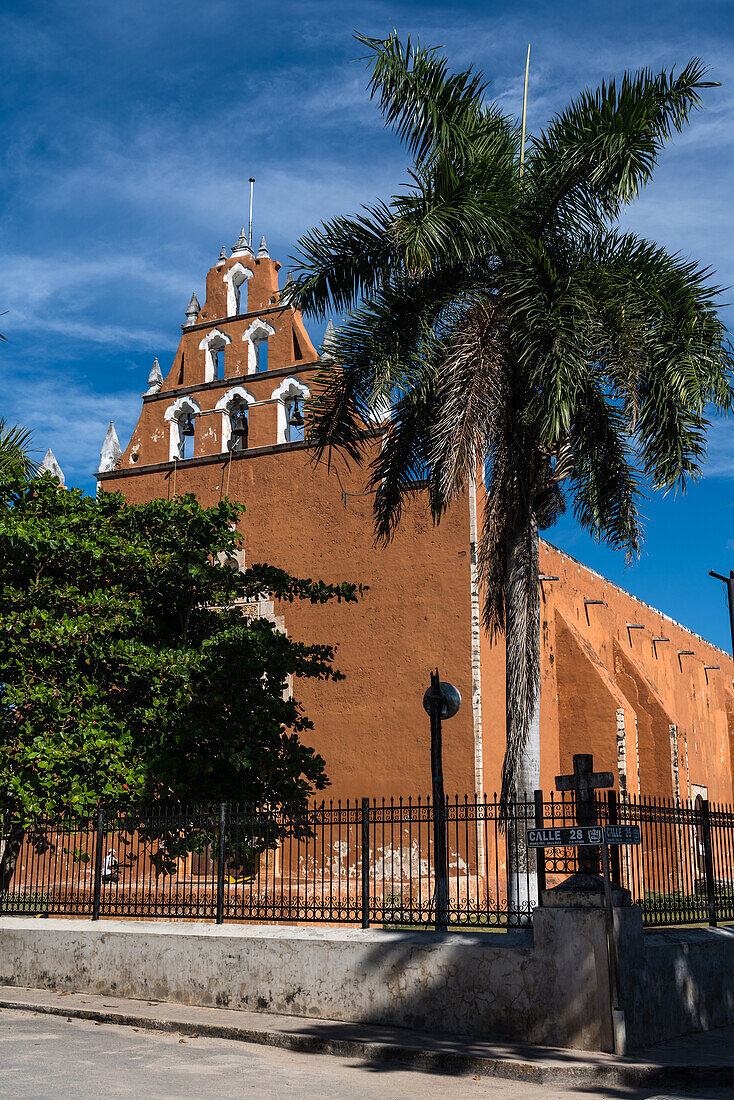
<point>365,862</point>
<point>708,860</point>
<point>220,863</point>
<point>539,852</point>
<point>98,865</point>
<point>615,852</point>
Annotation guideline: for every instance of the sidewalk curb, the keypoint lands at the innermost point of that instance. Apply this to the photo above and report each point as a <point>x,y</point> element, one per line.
<point>455,1063</point>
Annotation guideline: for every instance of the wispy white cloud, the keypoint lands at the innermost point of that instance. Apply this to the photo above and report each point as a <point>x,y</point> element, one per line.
<point>131,141</point>
<point>65,413</point>
<point>720,462</point>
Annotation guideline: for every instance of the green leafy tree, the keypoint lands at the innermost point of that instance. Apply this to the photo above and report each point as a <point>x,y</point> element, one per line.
<point>131,672</point>
<point>519,335</point>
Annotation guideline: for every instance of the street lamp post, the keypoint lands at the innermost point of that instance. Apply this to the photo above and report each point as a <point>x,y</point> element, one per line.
<point>729,582</point>
<point>441,701</point>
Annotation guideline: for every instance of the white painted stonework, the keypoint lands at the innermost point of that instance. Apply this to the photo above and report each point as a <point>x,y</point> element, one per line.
<point>111,450</point>
<point>258,331</point>
<point>174,414</point>
<point>214,340</point>
<point>49,465</point>
<point>288,389</point>
<point>235,278</point>
<point>224,404</point>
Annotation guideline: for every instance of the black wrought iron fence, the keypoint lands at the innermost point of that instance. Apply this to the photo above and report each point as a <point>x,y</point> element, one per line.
<point>681,873</point>
<point>353,862</point>
<point>360,862</point>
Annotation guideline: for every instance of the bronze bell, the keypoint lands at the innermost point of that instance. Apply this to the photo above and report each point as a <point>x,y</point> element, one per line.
<point>188,426</point>
<point>296,417</point>
<point>239,430</point>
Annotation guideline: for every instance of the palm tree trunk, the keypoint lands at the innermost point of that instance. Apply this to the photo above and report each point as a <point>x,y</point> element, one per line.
<point>521,770</point>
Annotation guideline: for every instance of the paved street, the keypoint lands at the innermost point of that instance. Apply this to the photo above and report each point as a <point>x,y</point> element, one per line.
<point>46,1058</point>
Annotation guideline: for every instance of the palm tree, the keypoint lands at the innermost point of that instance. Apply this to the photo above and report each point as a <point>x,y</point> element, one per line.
<point>518,334</point>
<point>14,450</point>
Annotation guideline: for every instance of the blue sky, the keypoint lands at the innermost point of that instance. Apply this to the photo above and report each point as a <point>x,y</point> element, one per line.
<point>130,130</point>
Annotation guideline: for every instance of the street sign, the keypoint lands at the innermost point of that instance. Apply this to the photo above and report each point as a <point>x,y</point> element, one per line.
<point>583,836</point>
<point>577,836</point>
<point>622,834</point>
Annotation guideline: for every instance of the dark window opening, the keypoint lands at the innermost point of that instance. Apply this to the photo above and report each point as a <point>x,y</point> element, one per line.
<point>297,353</point>
<point>181,371</point>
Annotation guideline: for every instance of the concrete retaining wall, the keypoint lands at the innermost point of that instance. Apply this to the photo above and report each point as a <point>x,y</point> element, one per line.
<point>682,981</point>
<point>551,988</point>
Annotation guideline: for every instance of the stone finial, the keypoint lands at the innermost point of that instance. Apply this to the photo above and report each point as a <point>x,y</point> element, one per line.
<point>262,252</point>
<point>51,466</point>
<point>242,245</point>
<point>111,451</point>
<point>155,378</point>
<point>328,341</point>
<point>222,256</point>
<point>289,280</point>
<point>192,311</point>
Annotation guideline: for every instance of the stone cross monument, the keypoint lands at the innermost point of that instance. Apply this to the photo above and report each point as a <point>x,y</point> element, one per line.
<point>585,782</point>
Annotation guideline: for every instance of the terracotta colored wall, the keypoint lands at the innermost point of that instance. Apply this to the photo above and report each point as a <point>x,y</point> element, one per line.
<point>371,727</point>
<point>650,681</point>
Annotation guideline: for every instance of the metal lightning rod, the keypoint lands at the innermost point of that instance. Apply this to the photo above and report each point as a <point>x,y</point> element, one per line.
<point>252,188</point>
<point>524,113</point>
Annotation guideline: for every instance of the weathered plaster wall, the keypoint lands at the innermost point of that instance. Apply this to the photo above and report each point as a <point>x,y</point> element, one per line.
<point>371,727</point>
<point>597,658</point>
<point>687,979</point>
<point>549,987</point>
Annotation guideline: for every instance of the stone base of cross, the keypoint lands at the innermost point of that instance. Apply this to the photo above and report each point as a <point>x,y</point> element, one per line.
<point>585,782</point>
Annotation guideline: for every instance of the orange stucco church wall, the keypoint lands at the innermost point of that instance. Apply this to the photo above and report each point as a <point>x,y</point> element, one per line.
<point>650,711</point>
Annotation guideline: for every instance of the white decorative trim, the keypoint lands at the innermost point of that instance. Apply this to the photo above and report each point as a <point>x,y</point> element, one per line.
<point>183,406</point>
<point>254,341</point>
<point>236,276</point>
<point>111,450</point>
<point>230,396</point>
<point>237,393</point>
<point>212,340</point>
<point>288,389</point>
<point>476,658</point>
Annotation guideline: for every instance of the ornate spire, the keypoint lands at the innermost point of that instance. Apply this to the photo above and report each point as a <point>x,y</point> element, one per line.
<point>155,378</point>
<point>242,246</point>
<point>262,252</point>
<point>289,280</point>
<point>222,256</point>
<point>328,342</point>
<point>51,466</point>
<point>192,311</point>
<point>111,451</point>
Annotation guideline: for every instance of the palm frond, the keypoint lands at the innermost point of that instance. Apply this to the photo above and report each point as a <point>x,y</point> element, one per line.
<point>428,107</point>
<point>15,442</point>
<point>342,260</point>
<point>472,395</point>
<point>597,154</point>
